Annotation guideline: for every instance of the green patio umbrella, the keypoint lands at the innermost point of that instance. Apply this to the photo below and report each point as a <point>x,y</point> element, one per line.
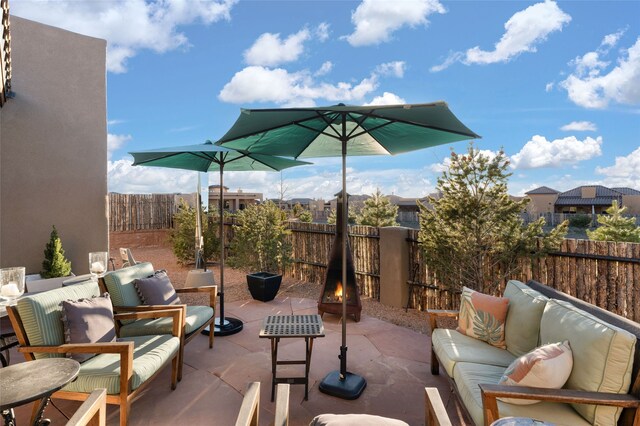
<point>342,130</point>
<point>208,157</point>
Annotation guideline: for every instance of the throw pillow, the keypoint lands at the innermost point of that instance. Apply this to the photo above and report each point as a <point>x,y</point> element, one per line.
<point>157,290</point>
<point>354,420</point>
<point>482,317</point>
<point>88,321</point>
<point>548,367</point>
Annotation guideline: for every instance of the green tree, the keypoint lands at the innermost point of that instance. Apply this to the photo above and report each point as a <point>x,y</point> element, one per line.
<point>378,211</point>
<point>302,214</point>
<point>260,239</point>
<point>55,264</point>
<point>615,227</point>
<point>352,217</point>
<point>473,234</point>
<point>183,234</point>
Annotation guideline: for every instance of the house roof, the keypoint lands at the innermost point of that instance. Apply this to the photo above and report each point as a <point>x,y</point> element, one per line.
<point>542,190</point>
<point>601,191</point>
<point>627,191</point>
<point>573,197</point>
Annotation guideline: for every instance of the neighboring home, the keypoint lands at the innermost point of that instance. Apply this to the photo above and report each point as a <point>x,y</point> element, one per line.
<point>308,203</point>
<point>592,199</point>
<point>233,201</point>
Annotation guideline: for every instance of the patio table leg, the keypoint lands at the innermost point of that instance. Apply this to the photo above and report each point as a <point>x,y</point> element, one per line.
<point>274,364</point>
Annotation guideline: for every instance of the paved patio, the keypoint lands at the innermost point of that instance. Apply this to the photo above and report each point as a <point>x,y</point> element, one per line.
<point>394,361</point>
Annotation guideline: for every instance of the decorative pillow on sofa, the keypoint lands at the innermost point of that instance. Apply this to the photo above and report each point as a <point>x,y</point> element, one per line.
<point>482,317</point>
<point>354,420</point>
<point>88,321</point>
<point>548,366</point>
<point>157,290</point>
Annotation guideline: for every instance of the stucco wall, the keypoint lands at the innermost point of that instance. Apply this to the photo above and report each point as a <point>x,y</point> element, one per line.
<point>541,203</point>
<point>53,147</point>
<point>633,204</point>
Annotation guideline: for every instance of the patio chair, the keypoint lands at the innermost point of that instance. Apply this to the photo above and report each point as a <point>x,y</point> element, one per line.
<point>93,411</point>
<point>127,258</point>
<point>123,367</point>
<point>120,285</point>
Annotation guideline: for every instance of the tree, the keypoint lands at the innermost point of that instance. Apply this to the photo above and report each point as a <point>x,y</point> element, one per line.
<point>283,190</point>
<point>55,264</point>
<point>353,216</point>
<point>615,227</point>
<point>302,214</point>
<point>260,241</point>
<point>183,234</point>
<point>473,235</point>
<point>378,211</point>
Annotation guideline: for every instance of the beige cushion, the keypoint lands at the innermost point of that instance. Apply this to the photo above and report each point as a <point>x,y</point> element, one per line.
<point>602,355</point>
<point>522,327</point>
<point>354,420</point>
<point>482,316</point>
<point>468,376</point>
<point>547,367</point>
<point>452,347</point>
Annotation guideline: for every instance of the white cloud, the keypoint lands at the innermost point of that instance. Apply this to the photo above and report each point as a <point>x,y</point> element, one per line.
<point>579,126</point>
<point>322,31</point>
<point>124,178</point>
<point>270,50</point>
<point>588,86</point>
<point>128,26</point>
<point>387,98</point>
<point>446,163</point>
<point>549,87</point>
<point>539,152</point>
<point>375,21</point>
<point>395,68</point>
<point>523,32</point>
<point>115,142</point>
<point>114,122</point>
<point>325,68</point>
<point>611,40</point>
<point>625,171</point>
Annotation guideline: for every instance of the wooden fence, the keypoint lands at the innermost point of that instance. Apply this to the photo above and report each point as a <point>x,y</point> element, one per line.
<point>132,212</point>
<point>605,274</point>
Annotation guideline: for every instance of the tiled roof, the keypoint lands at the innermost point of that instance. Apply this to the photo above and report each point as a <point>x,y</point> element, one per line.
<point>601,191</point>
<point>627,191</point>
<point>543,190</point>
<point>579,201</point>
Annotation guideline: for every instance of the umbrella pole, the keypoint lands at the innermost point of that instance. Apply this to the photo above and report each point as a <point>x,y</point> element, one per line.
<point>224,325</point>
<point>341,383</point>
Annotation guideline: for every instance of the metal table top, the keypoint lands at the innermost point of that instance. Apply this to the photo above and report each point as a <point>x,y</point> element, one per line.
<point>33,380</point>
<point>292,326</point>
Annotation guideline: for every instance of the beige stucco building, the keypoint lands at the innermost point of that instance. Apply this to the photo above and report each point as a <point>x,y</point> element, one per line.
<point>591,199</point>
<point>53,146</point>
<point>233,201</point>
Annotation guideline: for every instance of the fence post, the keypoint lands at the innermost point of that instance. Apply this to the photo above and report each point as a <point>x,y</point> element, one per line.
<point>394,266</point>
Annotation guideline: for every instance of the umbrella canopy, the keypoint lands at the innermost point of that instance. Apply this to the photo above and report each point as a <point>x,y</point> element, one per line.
<point>209,157</point>
<point>342,130</point>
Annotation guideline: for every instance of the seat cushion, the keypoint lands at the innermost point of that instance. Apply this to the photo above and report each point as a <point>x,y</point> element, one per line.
<point>120,284</point>
<point>103,370</point>
<point>522,326</point>
<point>602,355</point>
<point>452,347</point>
<point>468,376</point>
<point>354,420</point>
<point>196,316</point>
<point>41,313</point>
<point>482,316</point>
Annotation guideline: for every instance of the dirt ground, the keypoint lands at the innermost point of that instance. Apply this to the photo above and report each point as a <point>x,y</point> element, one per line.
<point>235,287</point>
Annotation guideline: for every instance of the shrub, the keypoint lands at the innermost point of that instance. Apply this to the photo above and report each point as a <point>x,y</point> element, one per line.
<point>615,227</point>
<point>55,264</point>
<point>183,235</point>
<point>378,211</point>
<point>580,221</point>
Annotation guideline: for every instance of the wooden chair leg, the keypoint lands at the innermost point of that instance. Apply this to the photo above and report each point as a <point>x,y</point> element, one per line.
<point>176,363</point>
<point>125,405</point>
<point>211,333</point>
<point>181,358</point>
<point>435,364</point>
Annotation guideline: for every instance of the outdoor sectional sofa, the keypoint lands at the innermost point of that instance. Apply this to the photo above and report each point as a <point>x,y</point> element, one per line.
<point>606,361</point>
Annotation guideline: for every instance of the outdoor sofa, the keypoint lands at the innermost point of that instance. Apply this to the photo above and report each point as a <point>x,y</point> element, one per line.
<point>606,361</point>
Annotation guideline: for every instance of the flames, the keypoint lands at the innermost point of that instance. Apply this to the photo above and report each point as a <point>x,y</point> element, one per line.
<point>338,292</point>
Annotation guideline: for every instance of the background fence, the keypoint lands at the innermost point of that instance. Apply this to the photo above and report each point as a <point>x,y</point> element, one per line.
<point>132,212</point>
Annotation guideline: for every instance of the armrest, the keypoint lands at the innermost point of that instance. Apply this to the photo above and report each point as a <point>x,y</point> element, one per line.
<point>434,314</point>
<point>143,308</point>
<point>211,289</point>
<point>250,408</point>
<point>176,312</point>
<point>93,411</point>
<point>435,413</point>
<point>491,392</point>
<point>82,348</point>
<point>282,405</point>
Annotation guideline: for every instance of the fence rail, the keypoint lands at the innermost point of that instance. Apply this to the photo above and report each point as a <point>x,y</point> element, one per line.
<point>132,212</point>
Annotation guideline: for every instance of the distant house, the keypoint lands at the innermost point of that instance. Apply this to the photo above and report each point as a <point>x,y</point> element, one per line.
<point>233,201</point>
<point>592,199</point>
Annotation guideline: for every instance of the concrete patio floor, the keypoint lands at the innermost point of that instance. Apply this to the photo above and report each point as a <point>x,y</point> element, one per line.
<point>394,360</point>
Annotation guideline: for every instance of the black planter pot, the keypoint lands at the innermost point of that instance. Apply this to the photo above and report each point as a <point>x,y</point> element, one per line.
<point>263,285</point>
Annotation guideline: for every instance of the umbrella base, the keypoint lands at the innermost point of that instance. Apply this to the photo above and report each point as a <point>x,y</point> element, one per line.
<point>231,326</point>
<point>350,387</point>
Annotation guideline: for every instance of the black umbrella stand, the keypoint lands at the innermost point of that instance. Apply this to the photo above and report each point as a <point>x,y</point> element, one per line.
<point>224,326</point>
<point>343,384</point>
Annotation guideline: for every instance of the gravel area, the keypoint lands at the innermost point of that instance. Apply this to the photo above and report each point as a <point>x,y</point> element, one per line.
<point>235,288</point>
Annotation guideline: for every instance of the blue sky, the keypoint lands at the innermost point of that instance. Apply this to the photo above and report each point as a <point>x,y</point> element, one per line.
<point>556,84</point>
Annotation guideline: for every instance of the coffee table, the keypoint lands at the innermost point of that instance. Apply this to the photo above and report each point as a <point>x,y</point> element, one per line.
<point>31,381</point>
<point>276,327</point>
